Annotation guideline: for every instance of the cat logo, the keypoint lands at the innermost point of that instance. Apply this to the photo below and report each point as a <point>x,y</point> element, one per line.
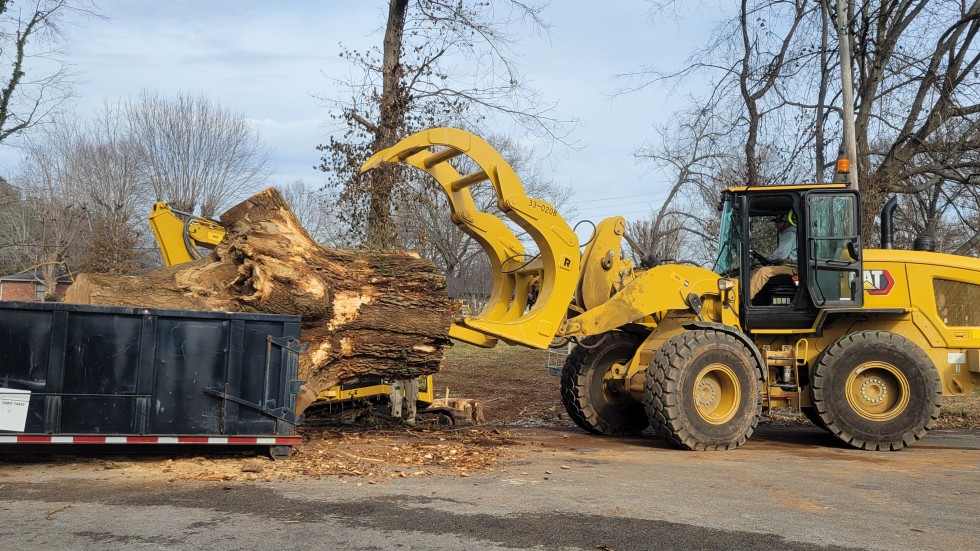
<point>878,282</point>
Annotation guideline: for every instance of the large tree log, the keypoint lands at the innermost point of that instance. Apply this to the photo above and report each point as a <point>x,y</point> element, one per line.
<point>365,313</point>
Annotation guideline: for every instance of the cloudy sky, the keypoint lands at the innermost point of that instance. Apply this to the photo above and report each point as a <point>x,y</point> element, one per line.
<point>267,60</point>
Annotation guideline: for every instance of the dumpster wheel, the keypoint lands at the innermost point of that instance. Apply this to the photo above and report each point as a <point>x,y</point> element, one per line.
<point>280,453</point>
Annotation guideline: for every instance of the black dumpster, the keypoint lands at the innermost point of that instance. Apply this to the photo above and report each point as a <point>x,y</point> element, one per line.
<point>101,374</point>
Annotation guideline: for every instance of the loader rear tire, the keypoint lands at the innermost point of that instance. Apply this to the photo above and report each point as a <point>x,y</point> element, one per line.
<point>591,403</point>
<point>702,391</point>
<point>876,390</point>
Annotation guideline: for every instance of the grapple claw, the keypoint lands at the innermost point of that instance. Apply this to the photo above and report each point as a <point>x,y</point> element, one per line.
<point>552,274</point>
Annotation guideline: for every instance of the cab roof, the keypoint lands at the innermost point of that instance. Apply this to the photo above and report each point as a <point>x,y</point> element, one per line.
<point>788,187</point>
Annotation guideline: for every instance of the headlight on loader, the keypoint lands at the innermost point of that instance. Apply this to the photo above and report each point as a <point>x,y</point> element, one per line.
<point>726,284</point>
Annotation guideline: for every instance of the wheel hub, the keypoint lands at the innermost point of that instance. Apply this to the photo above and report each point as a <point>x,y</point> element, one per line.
<point>877,391</point>
<point>716,394</point>
<point>874,390</point>
<point>612,386</point>
<point>707,392</point>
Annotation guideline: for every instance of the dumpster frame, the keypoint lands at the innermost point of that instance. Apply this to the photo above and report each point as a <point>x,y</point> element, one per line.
<point>142,361</point>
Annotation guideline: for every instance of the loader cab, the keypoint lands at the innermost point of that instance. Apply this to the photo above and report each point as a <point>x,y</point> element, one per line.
<point>827,271</point>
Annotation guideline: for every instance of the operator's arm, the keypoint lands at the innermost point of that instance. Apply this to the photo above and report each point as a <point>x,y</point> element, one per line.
<point>785,252</point>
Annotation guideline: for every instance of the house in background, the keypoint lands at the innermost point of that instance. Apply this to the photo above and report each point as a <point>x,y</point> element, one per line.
<point>29,287</point>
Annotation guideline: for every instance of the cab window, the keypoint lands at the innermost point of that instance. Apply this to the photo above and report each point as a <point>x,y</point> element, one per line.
<point>833,242</point>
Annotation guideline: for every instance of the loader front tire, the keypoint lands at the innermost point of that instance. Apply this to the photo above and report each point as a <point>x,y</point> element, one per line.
<point>702,391</point>
<point>876,390</point>
<point>591,401</point>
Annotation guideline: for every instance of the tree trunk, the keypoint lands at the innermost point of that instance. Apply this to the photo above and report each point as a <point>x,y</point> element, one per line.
<point>365,313</point>
<point>392,107</point>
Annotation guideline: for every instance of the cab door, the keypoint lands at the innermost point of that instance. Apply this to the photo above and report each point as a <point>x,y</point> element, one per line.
<point>834,248</point>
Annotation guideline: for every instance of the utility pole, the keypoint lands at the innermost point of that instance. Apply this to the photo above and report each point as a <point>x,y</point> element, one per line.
<point>847,90</point>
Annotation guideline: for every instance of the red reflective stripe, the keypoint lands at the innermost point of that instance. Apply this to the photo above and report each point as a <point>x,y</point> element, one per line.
<point>91,439</point>
<point>29,439</point>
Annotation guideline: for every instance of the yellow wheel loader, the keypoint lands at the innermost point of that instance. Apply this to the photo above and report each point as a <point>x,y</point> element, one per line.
<point>863,342</point>
<point>181,235</point>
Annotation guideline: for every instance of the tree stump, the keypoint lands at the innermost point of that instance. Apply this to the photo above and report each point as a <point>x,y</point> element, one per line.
<point>365,313</point>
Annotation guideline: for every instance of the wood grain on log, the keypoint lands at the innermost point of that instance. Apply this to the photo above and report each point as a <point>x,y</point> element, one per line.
<point>365,313</point>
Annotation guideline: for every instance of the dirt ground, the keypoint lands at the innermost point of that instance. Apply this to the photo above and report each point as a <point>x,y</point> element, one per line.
<point>513,384</point>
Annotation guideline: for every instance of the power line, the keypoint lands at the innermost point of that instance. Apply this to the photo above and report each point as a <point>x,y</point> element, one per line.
<point>611,198</point>
<point>645,211</point>
<point>608,207</point>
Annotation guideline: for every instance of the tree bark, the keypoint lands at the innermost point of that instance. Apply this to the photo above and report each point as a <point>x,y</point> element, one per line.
<point>392,107</point>
<point>365,313</point>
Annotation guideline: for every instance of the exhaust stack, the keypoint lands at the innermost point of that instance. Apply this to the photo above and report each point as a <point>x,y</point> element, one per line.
<point>887,212</point>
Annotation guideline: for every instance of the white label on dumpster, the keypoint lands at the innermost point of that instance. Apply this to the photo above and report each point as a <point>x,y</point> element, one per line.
<point>13,409</point>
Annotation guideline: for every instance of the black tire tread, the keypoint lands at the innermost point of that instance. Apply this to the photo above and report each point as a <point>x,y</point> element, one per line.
<point>575,394</point>
<point>821,395</point>
<point>662,388</point>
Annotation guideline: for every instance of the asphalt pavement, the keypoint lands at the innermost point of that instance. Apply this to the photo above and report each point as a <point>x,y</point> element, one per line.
<point>787,488</point>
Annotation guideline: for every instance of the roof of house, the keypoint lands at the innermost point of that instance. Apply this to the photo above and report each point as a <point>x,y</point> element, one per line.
<point>35,277</point>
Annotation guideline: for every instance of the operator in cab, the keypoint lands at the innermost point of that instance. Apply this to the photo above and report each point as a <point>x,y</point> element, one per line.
<point>780,261</point>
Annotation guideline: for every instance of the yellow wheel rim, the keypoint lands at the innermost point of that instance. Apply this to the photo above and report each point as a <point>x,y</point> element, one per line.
<point>877,391</point>
<point>717,394</point>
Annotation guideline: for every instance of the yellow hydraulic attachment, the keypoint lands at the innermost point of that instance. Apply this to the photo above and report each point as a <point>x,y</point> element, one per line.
<point>178,237</point>
<point>553,272</point>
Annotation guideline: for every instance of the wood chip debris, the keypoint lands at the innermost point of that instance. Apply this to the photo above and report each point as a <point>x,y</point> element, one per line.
<point>368,454</point>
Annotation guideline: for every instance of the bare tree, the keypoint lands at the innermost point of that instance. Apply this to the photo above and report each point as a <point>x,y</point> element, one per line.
<point>441,62</point>
<point>197,156</point>
<point>11,212</point>
<point>110,171</point>
<point>696,150</point>
<point>86,188</point>
<point>317,211</point>
<point>942,84</point>
<point>666,243</point>
<point>749,62</point>
<point>53,216</point>
<point>34,79</point>
<point>773,80</point>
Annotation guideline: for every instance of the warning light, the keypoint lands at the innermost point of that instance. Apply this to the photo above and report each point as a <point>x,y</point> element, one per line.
<point>843,165</point>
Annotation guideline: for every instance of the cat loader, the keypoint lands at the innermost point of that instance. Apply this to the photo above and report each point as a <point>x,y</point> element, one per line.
<point>180,236</point>
<point>864,342</point>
